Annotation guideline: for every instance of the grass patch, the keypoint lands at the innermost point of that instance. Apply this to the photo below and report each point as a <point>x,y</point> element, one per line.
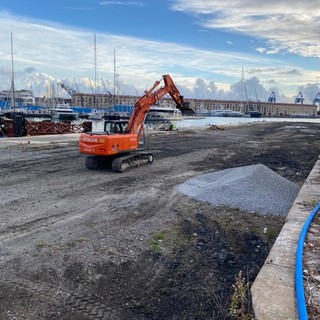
<point>272,233</point>
<point>157,240</point>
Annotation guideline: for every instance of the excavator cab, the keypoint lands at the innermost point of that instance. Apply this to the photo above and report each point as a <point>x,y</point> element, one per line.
<point>112,127</point>
<point>115,126</point>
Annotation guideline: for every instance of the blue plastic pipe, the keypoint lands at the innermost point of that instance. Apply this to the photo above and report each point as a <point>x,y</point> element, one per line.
<point>301,302</point>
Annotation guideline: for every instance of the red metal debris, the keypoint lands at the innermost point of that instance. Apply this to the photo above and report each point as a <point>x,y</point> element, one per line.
<point>33,128</point>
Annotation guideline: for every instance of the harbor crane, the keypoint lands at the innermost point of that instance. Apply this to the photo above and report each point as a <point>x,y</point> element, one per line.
<point>317,98</point>
<point>75,82</point>
<point>68,89</point>
<point>105,88</point>
<point>255,90</point>
<point>299,98</point>
<point>272,98</point>
<point>78,91</point>
<point>109,100</point>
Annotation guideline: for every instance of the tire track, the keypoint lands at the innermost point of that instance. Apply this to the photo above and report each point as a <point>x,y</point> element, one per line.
<point>58,299</point>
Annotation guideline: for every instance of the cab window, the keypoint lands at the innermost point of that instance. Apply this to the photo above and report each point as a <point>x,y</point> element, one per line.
<point>113,128</point>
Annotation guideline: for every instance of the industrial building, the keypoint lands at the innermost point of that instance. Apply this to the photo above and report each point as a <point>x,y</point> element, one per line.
<point>200,107</point>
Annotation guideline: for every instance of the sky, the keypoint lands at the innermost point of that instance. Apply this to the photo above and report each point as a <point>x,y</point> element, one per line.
<point>203,44</point>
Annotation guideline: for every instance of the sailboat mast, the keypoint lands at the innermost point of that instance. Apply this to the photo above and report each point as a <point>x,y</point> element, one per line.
<point>95,71</point>
<point>114,76</point>
<point>12,79</point>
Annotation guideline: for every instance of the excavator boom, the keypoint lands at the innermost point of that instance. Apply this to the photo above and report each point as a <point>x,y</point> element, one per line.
<point>142,106</point>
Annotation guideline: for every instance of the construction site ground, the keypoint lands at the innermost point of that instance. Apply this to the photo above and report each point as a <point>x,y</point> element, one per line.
<point>80,244</point>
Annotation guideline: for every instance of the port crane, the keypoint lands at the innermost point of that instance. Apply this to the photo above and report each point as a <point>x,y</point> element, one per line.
<point>272,98</point>
<point>316,98</point>
<point>299,98</point>
<point>121,142</point>
<point>109,101</point>
<point>255,91</point>
<point>68,89</point>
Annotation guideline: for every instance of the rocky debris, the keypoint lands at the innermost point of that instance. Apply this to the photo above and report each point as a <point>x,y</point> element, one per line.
<point>251,188</point>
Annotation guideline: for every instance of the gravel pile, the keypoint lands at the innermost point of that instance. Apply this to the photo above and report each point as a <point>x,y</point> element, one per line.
<point>254,188</point>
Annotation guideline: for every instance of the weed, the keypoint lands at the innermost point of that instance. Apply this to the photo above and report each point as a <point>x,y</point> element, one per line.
<point>40,244</point>
<point>156,240</point>
<point>253,229</point>
<point>271,233</point>
<point>310,204</point>
<point>240,299</point>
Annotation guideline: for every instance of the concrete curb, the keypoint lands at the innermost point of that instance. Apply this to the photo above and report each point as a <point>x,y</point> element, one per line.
<point>273,291</point>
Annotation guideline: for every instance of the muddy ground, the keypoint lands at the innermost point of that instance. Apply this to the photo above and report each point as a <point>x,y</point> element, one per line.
<point>82,244</point>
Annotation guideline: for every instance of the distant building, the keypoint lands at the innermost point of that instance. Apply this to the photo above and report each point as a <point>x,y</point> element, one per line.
<point>103,101</point>
<point>266,108</point>
<point>200,106</point>
<point>22,98</point>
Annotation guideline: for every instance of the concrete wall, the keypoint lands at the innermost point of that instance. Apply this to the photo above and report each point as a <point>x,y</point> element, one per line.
<point>273,291</point>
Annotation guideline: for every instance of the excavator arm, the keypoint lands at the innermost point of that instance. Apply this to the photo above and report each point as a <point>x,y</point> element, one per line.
<point>142,106</point>
<point>173,91</point>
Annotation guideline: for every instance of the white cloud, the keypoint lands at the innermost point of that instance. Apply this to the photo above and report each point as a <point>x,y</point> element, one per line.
<point>67,53</point>
<point>261,49</point>
<point>288,26</point>
<point>121,3</point>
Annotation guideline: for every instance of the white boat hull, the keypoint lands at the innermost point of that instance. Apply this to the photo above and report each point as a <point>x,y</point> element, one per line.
<point>164,114</point>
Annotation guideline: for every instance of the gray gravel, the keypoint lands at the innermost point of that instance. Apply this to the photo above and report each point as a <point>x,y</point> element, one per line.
<point>254,188</point>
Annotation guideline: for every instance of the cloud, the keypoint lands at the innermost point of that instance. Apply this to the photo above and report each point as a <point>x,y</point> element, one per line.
<point>286,26</point>
<point>291,72</point>
<point>122,3</point>
<point>79,8</point>
<point>29,70</point>
<point>59,50</point>
<point>62,52</point>
<point>261,49</point>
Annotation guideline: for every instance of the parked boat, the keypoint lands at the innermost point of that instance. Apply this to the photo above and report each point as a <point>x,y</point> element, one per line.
<point>300,115</point>
<point>96,115</point>
<point>201,112</point>
<point>64,112</point>
<point>226,113</point>
<point>255,114</point>
<point>164,114</point>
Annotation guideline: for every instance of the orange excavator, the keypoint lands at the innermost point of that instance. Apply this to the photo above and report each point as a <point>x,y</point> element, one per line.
<point>121,143</point>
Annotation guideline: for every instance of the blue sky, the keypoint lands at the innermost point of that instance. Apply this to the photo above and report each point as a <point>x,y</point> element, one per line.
<point>202,44</point>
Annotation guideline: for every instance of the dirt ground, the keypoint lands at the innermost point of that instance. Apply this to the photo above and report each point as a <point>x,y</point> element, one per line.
<point>80,244</point>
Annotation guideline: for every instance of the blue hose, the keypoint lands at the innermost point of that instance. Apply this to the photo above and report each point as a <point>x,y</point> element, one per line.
<point>301,302</point>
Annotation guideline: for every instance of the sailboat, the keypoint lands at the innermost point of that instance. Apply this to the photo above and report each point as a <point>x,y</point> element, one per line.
<point>251,113</point>
<point>12,102</point>
<point>96,113</point>
<point>17,118</point>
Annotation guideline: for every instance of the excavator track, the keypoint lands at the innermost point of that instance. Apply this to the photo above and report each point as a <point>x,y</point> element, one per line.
<point>97,162</point>
<point>133,160</point>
